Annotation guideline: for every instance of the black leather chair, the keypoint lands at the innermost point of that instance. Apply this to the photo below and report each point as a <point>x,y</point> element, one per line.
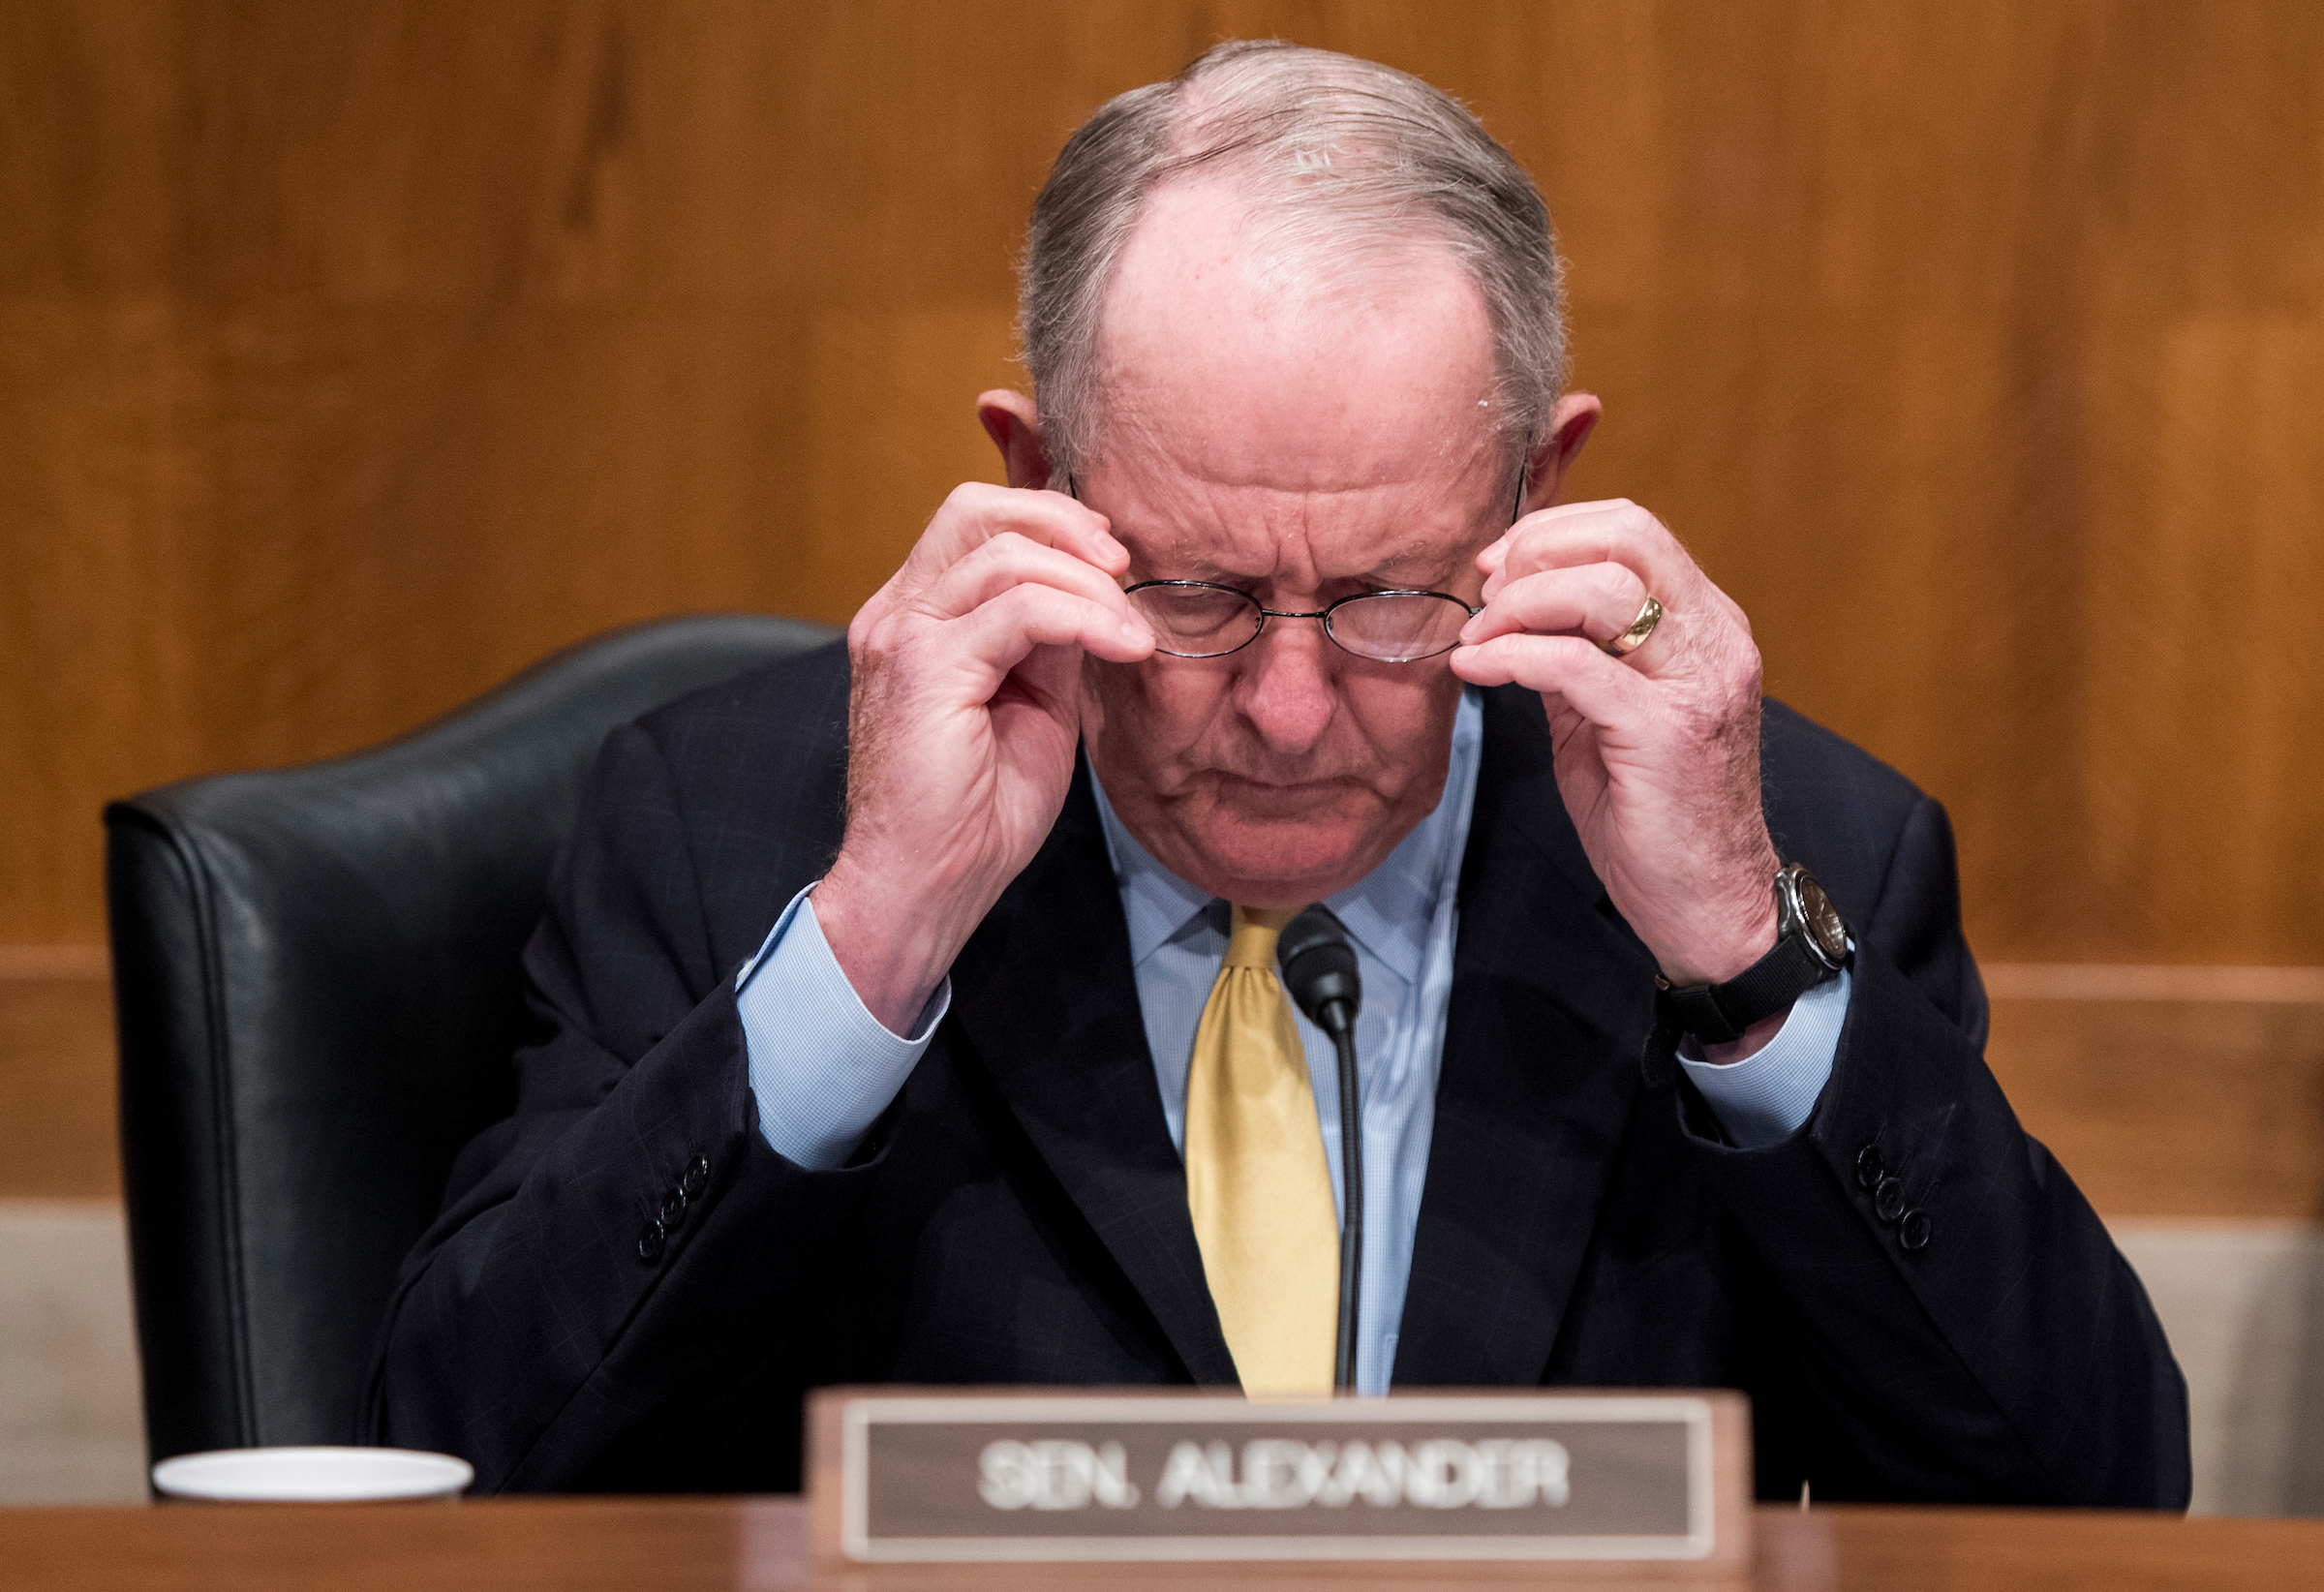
<point>317,976</point>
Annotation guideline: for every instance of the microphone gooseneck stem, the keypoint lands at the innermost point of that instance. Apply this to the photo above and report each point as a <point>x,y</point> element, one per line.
<point>1351,1183</point>
<point>1320,974</point>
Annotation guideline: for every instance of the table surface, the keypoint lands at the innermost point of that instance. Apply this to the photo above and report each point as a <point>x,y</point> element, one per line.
<point>675,1544</point>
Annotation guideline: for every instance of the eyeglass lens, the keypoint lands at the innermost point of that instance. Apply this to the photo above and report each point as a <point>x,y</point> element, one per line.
<point>1201,621</point>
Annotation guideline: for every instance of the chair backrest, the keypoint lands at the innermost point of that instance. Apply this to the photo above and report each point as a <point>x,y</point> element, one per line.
<point>317,976</point>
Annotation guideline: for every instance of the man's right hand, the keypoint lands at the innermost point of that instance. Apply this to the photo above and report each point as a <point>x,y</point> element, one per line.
<point>962,725</point>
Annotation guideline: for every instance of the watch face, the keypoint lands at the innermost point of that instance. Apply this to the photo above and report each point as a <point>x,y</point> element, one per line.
<point>1822,920</point>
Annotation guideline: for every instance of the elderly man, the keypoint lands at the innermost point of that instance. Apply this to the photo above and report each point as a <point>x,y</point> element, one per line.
<point>1276,609</point>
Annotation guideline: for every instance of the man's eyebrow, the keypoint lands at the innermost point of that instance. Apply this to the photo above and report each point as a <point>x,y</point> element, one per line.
<point>1421,551</point>
<point>1396,568</point>
<point>1173,562</point>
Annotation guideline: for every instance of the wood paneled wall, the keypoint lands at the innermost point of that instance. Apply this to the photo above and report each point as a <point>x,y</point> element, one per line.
<point>351,357</point>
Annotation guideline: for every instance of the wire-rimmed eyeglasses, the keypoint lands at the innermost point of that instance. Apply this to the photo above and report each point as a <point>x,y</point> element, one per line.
<point>1202,619</point>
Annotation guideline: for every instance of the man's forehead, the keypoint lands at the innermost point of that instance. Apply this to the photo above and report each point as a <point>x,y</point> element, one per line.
<point>1221,342</point>
<point>1250,422</point>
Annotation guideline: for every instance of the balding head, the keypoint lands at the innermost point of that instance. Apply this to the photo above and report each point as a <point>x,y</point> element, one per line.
<point>1341,168</point>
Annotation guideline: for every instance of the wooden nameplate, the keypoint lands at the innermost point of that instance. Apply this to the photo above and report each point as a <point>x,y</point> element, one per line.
<point>1015,1475</point>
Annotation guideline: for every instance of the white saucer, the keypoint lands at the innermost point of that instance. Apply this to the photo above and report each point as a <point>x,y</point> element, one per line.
<point>312,1476</point>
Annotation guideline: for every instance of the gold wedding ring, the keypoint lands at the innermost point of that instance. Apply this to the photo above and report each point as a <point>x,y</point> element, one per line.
<point>1641,627</point>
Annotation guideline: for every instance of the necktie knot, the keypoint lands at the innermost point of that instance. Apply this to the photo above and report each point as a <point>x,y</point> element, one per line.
<point>1252,943</point>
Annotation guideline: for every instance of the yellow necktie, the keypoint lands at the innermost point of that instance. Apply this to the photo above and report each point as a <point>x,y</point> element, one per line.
<point>1256,1176</point>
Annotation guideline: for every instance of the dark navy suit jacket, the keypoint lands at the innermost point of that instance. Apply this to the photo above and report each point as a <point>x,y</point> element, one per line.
<point>1020,1214</point>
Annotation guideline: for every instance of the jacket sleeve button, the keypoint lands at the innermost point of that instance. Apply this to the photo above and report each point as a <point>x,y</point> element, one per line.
<point>695,1178</point>
<point>673,1207</point>
<point>1889,1200</point>
<point>1870,1168</point>
<point>1914,1231</point>
<point>650,1242</point>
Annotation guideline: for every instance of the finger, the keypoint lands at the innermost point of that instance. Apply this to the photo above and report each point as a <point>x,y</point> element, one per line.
<point>1596,602</point>
<point>977,511</point>
<point>1617,532</point>
<point>1601,688</point>
<point>1009,560</point>
<point>999,634</point>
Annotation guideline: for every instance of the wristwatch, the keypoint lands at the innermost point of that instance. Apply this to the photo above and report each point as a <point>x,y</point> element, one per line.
<point>1810,947</point>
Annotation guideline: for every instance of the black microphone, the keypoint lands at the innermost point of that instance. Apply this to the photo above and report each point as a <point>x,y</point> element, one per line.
<point>1319,971</point>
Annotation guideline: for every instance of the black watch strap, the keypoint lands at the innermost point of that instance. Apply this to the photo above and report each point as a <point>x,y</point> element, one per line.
<point>1716,1014</point>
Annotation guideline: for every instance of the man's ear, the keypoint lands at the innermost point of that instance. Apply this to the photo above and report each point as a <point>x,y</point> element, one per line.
<point>1015,428</point>
<point>1570,423</point>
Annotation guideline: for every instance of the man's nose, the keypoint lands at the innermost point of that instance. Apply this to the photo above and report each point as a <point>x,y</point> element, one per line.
<point>1289,688</point>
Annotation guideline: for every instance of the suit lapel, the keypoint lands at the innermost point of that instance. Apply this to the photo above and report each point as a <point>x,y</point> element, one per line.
<point>1044,991</point>
<point>1552,1001</point>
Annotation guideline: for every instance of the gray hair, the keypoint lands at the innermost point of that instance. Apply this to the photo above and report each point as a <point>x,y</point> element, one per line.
<point>1339,159</point>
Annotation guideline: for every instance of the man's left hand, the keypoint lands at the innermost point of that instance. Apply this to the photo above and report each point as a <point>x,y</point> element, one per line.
<point>1658,753</point>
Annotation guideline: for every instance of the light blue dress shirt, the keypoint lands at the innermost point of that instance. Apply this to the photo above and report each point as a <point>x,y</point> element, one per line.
<point>822,1068</point>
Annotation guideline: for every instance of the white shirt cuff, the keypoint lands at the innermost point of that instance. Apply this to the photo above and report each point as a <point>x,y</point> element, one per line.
<point>1767,1096</point>
<point>823,1067</point>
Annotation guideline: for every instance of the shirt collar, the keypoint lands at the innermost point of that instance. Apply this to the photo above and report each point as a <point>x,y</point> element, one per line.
<point>1388,912</point>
